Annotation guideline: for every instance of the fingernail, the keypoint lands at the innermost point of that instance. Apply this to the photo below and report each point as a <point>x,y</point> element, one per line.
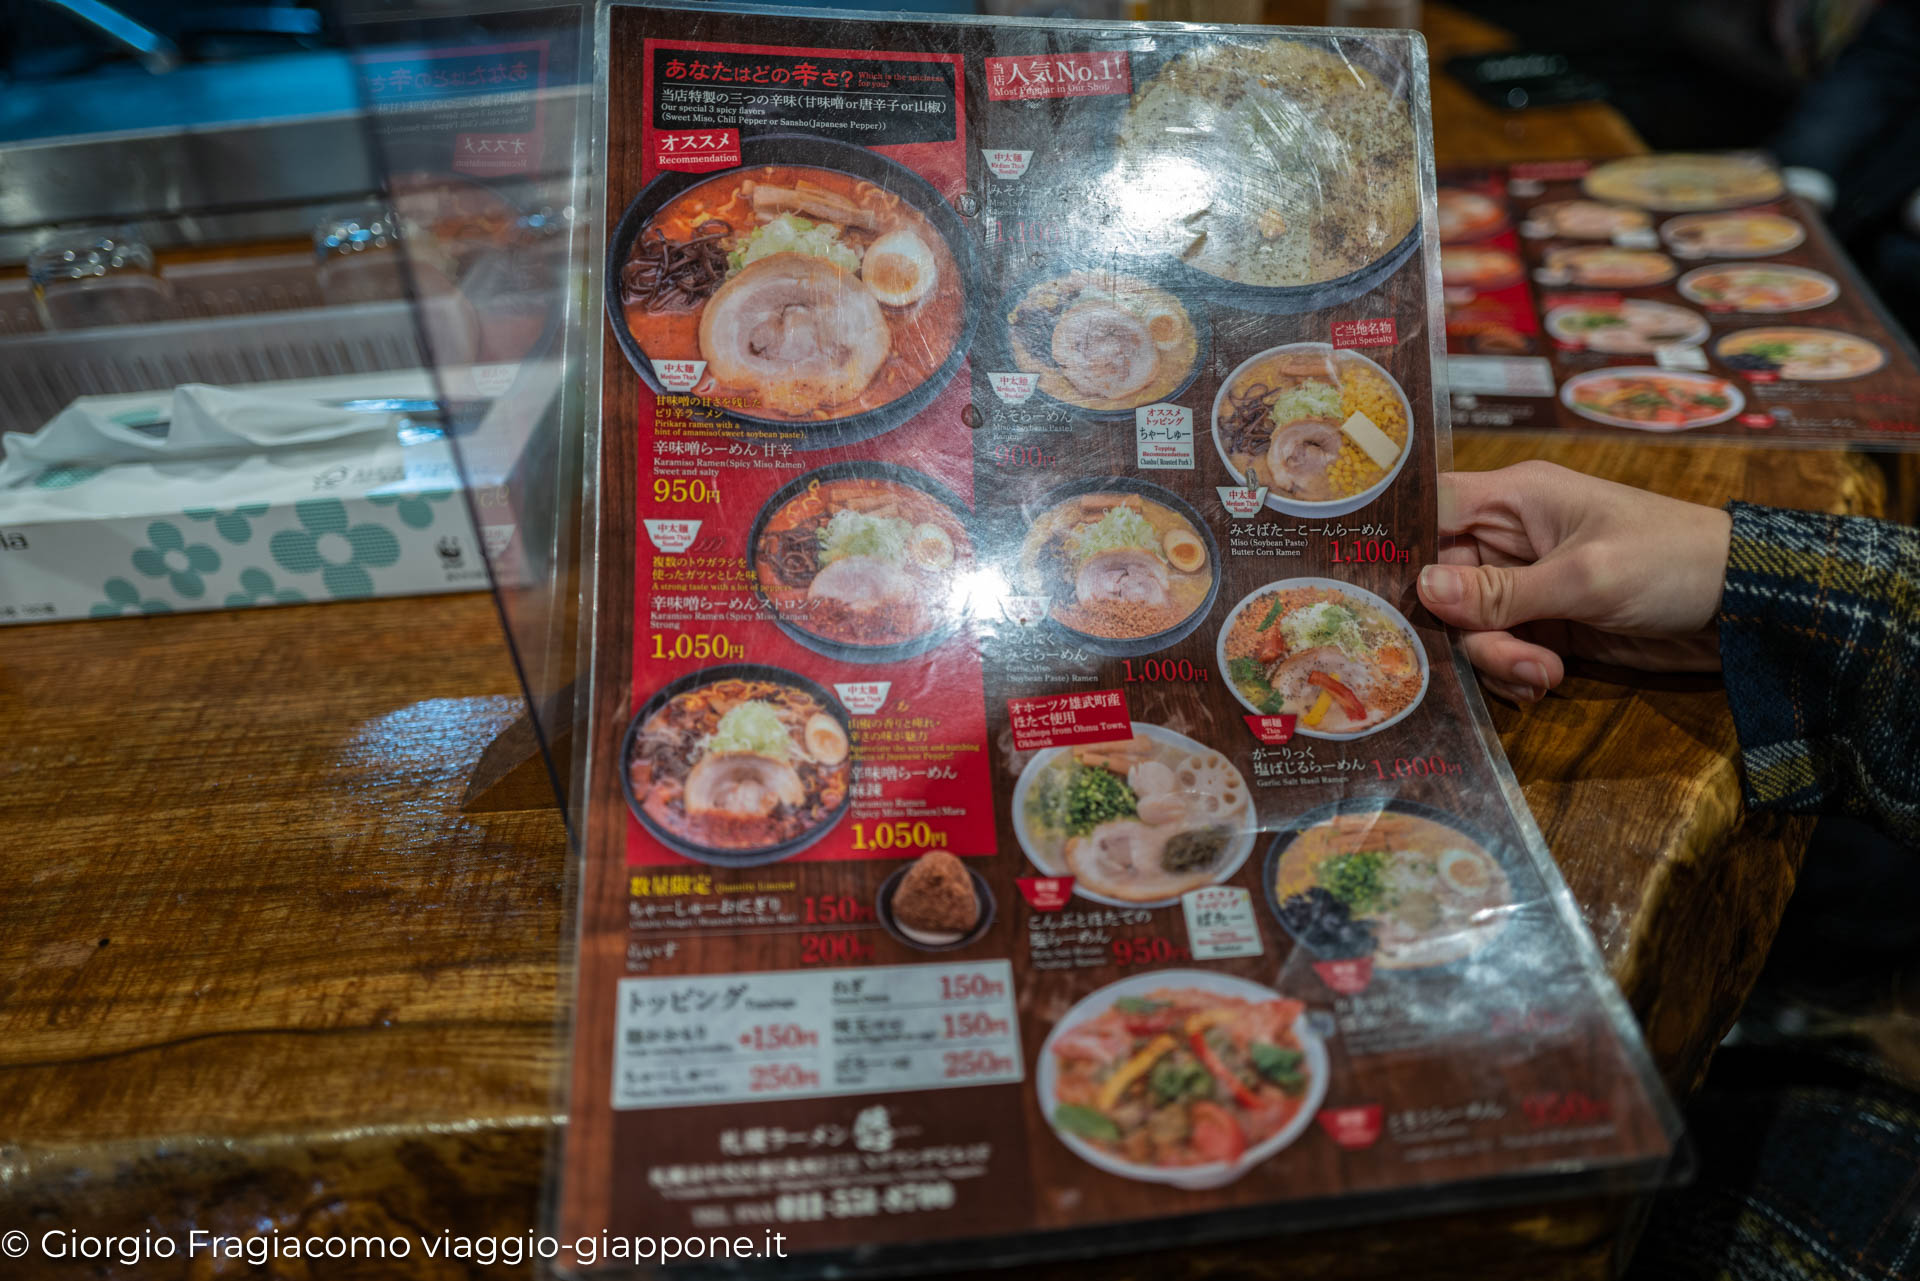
<point>1532,673</point>
<point>1440,584</point>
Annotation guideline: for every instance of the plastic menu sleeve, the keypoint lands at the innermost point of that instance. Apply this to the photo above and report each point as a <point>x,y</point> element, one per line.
<point>1028,808</point>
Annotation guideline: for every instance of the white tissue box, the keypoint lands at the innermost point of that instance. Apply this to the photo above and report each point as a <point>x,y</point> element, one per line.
<point>327,508</point>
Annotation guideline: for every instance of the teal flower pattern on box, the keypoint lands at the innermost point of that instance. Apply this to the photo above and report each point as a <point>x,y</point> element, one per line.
<point>235,526</point>
<point>65,476</point>
<point>339,552</point>
<point>256,588</point>
<point>170,556</point>
<point>416,511</point>
<point>124,598</point>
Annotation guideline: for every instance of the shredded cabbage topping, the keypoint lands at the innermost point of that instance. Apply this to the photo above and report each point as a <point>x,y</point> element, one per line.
<point>792,234</point>
<point>1122,527</point>
<point>852,533</point>
<point>1325,623</point>
<point>753,727</point>
<point>1313,399</point>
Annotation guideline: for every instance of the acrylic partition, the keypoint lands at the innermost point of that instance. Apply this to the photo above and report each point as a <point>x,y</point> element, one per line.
<point>479,118</point>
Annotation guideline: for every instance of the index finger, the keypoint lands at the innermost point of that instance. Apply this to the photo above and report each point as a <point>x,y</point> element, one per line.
<point>1467,499</point>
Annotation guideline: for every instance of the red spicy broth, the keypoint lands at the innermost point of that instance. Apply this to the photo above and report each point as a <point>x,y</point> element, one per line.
<point>706,222</point>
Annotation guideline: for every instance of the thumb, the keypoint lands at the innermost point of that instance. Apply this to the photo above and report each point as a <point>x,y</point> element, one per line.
<point>1487,598</point>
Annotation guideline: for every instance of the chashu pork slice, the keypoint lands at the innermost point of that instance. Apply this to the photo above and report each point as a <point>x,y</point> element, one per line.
<point>742,784</point>
<point>1128,574</point>
<point>796,329</point>
<point>1104,349</point>
<point>1125,859</point>
<point>862,583</point>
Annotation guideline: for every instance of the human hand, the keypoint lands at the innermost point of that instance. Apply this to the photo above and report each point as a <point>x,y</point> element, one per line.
<point>1546,563</point>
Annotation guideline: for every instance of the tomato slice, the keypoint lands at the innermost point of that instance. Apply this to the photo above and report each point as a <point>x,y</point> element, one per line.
<point>1216,1135</point>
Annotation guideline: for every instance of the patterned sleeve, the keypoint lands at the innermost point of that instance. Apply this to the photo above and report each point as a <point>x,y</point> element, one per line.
<point>1820,641</point>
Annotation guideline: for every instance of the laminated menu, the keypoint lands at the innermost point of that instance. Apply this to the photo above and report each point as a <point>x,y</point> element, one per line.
<point>1028,810</point>
<point>1668,293</point>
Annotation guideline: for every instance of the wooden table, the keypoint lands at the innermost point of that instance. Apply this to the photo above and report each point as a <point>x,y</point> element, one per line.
<point>257,967</point>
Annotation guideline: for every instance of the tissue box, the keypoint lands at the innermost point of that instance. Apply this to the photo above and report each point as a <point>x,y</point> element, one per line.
<point>279,509</point>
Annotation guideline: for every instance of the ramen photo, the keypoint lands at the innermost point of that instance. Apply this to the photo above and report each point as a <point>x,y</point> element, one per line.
<point>1315,425</point>
<point>1651,399</point>
<point>810,294</point>
<point>1138,822</point>
<point>1341,660</point>
<point>1183,1077</point>
<point>863,560</point>
<point>1420,890</point>
<point>1678,182</point>
<point>1600,267</point>
<point>1480,269</point>
<point>739,766</point>
<point>1118,564</point>
<point>1631,326</point>
<point>1759,289</point>
<point>1584,220</point>
<point>1812,355</point>
<point>1754,233</point>
<point>1272,163</point>
<point>1103,341</point>
<point>1468,215</point>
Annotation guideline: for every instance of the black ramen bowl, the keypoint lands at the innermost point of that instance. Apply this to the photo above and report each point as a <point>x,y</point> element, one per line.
<point>751,856</point>
<point>1287,300</point>
<point>810,151</point>
<point>1284,836</point>
<point>1136,646</point>
<point>1001,332</point>
<point>850,651</point>
<point>883,907</point>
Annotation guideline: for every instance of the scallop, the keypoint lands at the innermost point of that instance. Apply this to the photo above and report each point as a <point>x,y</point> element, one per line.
<point>931,546</point>
<point>826,740</point>
<point>1151,778</point>
<point>1465,872</point>
<point>1163,809</point>
<point>1185,552</point>
<point>899,269</point>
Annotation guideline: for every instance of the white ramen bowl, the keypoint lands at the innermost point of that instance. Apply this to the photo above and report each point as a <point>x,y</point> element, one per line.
<point>1235,856</point>
<point>1294,506</point>
<point>1214,1174</point>
<point>1736,399</point>
<point>1366,597</point>
<point>1689,286</point>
